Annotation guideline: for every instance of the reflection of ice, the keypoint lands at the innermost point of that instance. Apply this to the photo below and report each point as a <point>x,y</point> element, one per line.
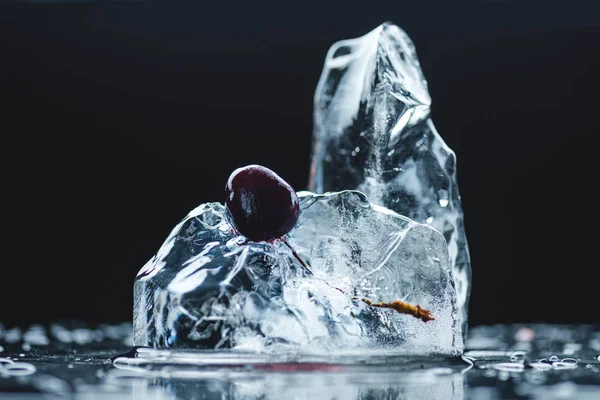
<point>254,377</point>
<point>209,288</point>
<point>302,386</point>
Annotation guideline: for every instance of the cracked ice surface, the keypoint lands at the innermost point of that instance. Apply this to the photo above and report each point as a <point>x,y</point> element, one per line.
<point>373,133</point>
<point>209,288</point>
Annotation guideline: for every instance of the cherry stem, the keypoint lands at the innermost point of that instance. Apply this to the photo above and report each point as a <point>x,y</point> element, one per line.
<point>297,256</point>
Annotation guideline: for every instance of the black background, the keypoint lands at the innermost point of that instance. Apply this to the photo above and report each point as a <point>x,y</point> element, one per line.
<point>117,118</point>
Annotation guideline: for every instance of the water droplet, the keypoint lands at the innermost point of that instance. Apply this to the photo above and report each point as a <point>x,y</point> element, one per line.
<point>12,335</point>
<point>510,367</point>
<point>517,355</point>
<point>553,359</point>
<point>22,355</point>
<point>36,335</point>
<point>429,220</point>
<point>570,361</point>
<point>598,358</point>
<point>541,366</point>
<point>26,346</point>
<point>524,334</point>
<point>6,360</point>
<point>19,369</point>
<point>60,333</point>
<point>563,365</point>
<point>571,348</point>
<point>1,349</point>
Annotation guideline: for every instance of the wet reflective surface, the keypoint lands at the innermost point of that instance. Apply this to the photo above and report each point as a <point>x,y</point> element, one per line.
<point>83,362</point>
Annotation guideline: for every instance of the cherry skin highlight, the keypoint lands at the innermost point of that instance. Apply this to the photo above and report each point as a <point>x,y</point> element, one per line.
<point>260,205</point>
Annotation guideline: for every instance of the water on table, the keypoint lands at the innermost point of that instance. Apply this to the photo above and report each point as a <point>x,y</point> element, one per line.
<point>504,361</point>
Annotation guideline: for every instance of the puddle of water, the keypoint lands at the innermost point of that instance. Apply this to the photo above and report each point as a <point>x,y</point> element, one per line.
<point>502,361</point>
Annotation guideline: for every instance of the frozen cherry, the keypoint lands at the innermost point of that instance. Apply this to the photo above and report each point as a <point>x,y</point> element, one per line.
<point>261,205</point>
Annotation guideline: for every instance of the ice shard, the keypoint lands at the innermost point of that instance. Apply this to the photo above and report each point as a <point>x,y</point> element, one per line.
<point>207,287</point>
<point>373,133</point>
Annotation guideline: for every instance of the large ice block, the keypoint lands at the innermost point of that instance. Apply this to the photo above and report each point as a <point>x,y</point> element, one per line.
<point>209,288</point>
<point>373,133</point>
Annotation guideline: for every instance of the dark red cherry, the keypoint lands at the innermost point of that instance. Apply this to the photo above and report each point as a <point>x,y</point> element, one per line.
<point>260,205</point>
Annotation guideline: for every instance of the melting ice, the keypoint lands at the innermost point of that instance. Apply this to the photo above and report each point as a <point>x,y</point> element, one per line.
<point>209,288</point>
<point>373,133</point>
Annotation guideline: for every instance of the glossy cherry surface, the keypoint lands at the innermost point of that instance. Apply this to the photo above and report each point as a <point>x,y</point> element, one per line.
<point>260,204</point>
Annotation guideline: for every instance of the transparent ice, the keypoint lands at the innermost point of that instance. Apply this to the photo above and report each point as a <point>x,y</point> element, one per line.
<point>209,288</point>
<point>373,133</point>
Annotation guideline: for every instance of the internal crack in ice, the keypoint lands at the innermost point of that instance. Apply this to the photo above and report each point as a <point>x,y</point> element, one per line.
<point>396,239</point>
